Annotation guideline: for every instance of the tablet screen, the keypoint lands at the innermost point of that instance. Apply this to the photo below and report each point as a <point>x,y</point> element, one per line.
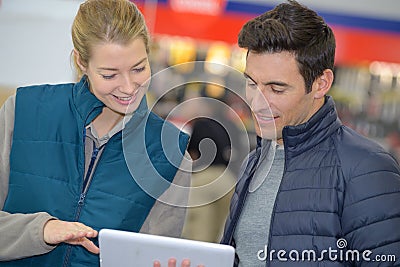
<point>123,249</point>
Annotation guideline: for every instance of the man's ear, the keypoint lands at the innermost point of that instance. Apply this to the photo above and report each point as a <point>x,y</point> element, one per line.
<point>79,62</point>
<point>323,83</point>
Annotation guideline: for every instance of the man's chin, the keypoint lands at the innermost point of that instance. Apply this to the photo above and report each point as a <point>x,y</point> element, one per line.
<point>266,134</point>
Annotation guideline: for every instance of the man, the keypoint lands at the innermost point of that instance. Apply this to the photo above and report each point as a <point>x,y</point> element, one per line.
<point>314,192</point>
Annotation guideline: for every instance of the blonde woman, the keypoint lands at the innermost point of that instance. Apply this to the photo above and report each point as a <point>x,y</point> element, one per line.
<point>63,172</point>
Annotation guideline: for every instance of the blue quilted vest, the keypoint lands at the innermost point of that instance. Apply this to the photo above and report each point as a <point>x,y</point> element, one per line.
<point>47,166</point>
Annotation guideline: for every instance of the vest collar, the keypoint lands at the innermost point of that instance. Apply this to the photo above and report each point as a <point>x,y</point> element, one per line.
<point>87,105</point>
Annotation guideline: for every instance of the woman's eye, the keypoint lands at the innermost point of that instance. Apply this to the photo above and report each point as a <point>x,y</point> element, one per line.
<point>139,69</point>
<point>108,77</point>
<point>251,85</point>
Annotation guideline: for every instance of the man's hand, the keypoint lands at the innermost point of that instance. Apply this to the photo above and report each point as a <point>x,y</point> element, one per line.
<point>172,263</point>
<point>74,233</point>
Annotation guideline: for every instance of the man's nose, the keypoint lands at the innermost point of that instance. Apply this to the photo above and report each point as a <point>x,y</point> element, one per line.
<point>259,101</point>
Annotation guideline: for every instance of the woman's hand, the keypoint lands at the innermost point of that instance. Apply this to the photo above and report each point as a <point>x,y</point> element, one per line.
<point>74,233</point>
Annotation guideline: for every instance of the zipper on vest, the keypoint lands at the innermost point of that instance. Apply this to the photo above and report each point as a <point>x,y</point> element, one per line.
<point>81,200</point>
<point>86,184</point>
<point>88,177</point>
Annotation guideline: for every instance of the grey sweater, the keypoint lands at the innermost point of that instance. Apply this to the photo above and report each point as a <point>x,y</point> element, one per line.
<point>252,231</point>
<point>22,234</point>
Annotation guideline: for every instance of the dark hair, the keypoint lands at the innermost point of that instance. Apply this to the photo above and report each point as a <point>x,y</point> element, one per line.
<point>294,28</point>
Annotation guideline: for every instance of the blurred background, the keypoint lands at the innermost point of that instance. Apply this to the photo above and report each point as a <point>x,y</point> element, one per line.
<point>36,47</point>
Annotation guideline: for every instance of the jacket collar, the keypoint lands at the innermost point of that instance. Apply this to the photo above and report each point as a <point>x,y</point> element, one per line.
<point>303,137</point>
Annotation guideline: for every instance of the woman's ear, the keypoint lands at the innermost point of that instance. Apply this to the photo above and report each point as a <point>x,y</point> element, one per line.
<point>79,62</point>
<point>323,83</point>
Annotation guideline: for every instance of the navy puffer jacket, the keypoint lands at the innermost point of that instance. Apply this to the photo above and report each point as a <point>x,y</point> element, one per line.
<point>339,198</point>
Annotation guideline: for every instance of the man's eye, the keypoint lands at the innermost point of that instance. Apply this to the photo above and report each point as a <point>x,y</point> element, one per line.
<point>276,91</point>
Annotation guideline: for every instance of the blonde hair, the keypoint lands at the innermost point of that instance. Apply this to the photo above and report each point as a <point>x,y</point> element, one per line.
<point>106,21</point>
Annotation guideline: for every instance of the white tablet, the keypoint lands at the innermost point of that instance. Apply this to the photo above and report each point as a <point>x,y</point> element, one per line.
<point>123,249</point>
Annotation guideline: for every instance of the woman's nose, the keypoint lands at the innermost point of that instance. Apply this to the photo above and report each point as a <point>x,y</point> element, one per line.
<point>129,86</point>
